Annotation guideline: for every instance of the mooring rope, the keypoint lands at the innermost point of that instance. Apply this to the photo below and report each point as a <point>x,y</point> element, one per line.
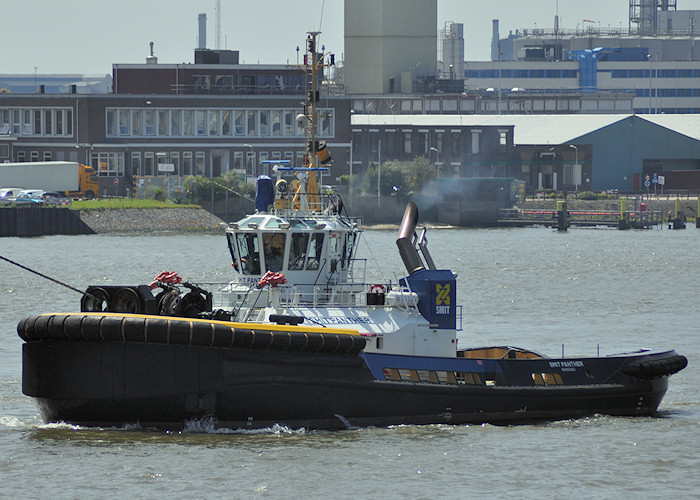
<point>44,276</point>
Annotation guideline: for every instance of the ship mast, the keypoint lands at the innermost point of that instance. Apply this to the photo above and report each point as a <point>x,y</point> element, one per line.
<point>316,152</point>
<point>312,63</point>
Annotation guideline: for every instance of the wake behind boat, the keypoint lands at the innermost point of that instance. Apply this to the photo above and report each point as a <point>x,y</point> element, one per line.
<point>300,337</point>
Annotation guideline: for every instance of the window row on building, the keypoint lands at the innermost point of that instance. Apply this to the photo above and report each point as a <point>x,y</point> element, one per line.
<point>178,122</point>
<point>34,156</point>
<point>573,73</point>
<point>521,73</point>
<point>668,92</point>
<point>406,142</point>
<point>229,83</point>
<point>185,163</point>
<point>655,73</point>
<point>31,121</point>
<point>668,111</point>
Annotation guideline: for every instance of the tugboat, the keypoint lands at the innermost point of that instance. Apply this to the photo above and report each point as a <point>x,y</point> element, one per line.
<point>300,338</point>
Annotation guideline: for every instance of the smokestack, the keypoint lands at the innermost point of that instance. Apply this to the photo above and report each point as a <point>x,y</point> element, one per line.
<point>409,254</point>
<point>495,42</point>
<point>202,31</point>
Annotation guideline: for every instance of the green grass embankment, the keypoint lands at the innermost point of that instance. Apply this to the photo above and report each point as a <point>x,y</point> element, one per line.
<point>123,203</point>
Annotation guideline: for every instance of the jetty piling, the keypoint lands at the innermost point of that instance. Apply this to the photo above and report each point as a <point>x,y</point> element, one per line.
<point>678,221</point>
<point>562,216</point>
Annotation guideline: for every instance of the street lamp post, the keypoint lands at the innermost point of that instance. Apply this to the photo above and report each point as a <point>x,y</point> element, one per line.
<point>351,181</point>
<point>651,72</point>
<point>575,167</point>
<point>252,151</point>
<point>437,161</point>
<point>379,174</point>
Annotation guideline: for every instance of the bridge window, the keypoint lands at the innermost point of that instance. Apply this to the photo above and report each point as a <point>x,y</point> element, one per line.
<point>249,252</point>
<point>297,251</point>
<point>315,250</point>
<point>273,246</point>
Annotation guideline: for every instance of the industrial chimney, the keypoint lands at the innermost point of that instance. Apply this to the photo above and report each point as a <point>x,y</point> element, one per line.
<point>202,31</point>
<point>495,42</point>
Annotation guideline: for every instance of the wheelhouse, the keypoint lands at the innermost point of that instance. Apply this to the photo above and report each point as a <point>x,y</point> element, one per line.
<point>323,248</point>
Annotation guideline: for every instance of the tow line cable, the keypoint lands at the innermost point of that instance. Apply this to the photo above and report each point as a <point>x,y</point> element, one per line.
<point>46,277</point>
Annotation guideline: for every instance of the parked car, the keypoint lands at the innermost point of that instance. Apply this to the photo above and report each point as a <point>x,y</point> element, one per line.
<point>8,195</point>
<point>30,197</point>
<point>32,192</point>
<point>56,198</point>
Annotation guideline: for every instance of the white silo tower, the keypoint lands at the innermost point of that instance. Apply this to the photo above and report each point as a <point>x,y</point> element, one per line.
<point>453,51</point>
<point>388,44</point>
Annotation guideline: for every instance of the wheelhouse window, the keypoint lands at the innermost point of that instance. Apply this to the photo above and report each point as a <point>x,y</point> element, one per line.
<point>347,251</point>
<point>249,253</point>
<point>273,247</point>
<point>315,251</point>
<point>297,251</point>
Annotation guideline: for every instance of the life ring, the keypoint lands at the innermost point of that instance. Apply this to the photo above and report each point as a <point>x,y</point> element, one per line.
<point>377,288</point>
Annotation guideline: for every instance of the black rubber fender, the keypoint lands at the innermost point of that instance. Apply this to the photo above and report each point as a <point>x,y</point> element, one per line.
<point>111,329</point>
<point>134,328</point>
<point>656,368</point>
<point>72,327</point>
<point>90,328</point>
<point>87,327</point>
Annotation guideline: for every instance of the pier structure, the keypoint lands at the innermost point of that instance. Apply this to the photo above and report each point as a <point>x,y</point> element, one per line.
<point>562,218</point>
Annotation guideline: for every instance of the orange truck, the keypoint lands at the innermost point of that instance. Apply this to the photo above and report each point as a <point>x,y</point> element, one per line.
<point>72,178</point>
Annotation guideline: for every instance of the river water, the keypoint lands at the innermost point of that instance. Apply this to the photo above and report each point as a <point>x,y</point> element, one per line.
<point>583,292</point>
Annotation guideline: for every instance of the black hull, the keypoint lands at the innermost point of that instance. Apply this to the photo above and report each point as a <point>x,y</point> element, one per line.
<point>159,385</point>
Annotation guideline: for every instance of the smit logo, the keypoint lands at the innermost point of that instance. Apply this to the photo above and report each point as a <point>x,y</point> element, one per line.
<point>443,294</point>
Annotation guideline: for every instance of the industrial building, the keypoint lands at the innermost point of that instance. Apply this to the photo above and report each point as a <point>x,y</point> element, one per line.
<point>161,136</point>
<point>654,58</point>
<point>562,152</point>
